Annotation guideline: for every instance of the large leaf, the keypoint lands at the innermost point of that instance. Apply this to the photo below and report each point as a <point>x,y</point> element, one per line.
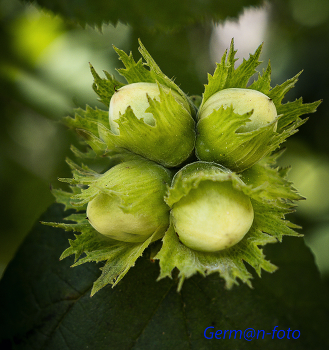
<point>46,305</point>
<point>147,14</point>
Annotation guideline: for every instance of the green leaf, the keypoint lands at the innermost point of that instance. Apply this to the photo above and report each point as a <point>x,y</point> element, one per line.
<point>228,263</point>
<point>156,16</point>
<point>119,257</point>
<point>263,83</point>
<point>88,124</point>
<point>82,175</point>
<point>93,126</point>
<point>46,305</point>
<point>246,69</point>
<point>65,197</point>
<point>105,88</point>
<point>136,72</point>
<point>277,94</point>
<point>226,76</point>
<point>291,111</point>
<point>219,141</point>
<point>279,191</point>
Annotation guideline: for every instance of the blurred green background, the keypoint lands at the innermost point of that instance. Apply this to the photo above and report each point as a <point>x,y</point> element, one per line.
<point>44,74</point>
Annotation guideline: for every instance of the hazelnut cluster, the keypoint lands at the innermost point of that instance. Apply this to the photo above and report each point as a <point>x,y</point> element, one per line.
<point>201,176</point>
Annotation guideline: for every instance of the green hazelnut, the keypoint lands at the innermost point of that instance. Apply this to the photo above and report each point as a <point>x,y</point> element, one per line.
<point>243,101</point>
<point>153,121</point>
<point>209,212</point>
<point>236,128</point>
<point>136,97</point>
<point>128,202</point>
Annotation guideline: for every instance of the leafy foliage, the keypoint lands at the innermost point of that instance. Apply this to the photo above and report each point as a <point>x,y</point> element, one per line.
<point>46,305</point>
<point>225,76</point>
<point>143,14</point>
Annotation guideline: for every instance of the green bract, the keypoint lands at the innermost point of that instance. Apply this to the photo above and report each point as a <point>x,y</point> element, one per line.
<point>216,213</point>
<point>212,215</point>
<point>127,201</point>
